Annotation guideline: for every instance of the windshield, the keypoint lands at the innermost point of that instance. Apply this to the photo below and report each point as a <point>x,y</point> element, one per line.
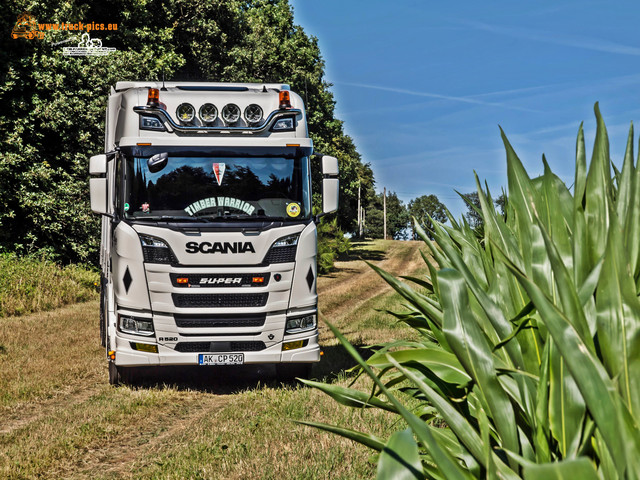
<point>220,188</point>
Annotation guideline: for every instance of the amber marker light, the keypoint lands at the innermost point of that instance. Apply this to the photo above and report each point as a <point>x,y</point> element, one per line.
<point>257,280</point>
<point>285,99</point>
<point>153,98</point>
<point>182,280</point>
<point>112,354</point>
<point>143,144</point>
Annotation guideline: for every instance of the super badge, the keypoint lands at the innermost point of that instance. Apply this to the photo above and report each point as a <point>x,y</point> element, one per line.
<point>293,209</point>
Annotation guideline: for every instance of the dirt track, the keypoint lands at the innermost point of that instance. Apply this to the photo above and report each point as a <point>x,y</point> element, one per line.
<point>60,418</point>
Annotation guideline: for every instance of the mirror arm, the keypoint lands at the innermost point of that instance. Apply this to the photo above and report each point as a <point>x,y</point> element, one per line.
<point>318,217</point>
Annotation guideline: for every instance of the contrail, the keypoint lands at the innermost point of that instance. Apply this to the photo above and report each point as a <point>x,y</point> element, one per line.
<point>586,43</point>
<point>438,96</point>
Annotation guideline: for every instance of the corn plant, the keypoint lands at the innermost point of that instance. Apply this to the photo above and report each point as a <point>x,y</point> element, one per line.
<point>527,357</point>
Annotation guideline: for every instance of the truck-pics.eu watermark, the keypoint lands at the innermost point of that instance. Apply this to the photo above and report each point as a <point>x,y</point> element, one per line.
<point>29,28</point>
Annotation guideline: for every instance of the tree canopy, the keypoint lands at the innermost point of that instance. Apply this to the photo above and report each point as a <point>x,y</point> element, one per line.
<point>53,115</point>
<point>397,218</point>
<point>423,207</point>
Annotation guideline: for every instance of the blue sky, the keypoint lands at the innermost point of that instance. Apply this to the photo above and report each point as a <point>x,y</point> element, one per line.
<point>422,86</point>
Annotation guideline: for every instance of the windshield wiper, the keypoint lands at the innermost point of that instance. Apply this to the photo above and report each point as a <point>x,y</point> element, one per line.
<point>164,218</point>
<point>249,218</point>
<point>214,218</point>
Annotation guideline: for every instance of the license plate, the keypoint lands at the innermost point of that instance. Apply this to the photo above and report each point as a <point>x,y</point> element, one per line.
<point>221,358</point>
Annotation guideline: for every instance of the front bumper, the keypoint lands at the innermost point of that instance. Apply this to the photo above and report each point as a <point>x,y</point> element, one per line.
<point>127,356</point>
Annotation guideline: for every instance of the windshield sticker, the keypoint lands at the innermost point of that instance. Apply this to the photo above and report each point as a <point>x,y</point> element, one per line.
<point>126,207</point>
<point>145,208</point>
<point>218,170</point>
<point>236,203</point>
<point>293,209</point>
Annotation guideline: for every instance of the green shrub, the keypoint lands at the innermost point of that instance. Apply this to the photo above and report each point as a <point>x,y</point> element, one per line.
<point>331,244</point>
<point>29,284</point>
<point>528,350</point>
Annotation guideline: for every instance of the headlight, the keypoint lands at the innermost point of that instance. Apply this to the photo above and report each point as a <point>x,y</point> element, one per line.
<point>253,114</point>
<point>208,113</point>
<point>155,250</point>
<point>288,241</point>
<point>286,124</point>
<point>151,123</point>
<point>301,324</point>
<point>231,113</point>
<point>185,112</point>
<point>283,250</point>
<point>135,325</point>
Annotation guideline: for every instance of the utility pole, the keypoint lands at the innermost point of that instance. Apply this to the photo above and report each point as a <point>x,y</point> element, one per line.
<point>364,218</point>
<point>384,210</point>
<point>359,212</point>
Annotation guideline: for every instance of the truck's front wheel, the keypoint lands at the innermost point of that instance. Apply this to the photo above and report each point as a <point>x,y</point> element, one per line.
<point>288,372</point>
<point>120,375</point>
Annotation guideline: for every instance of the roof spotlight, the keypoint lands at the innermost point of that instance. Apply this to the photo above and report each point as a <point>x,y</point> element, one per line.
<point>253,113</point>
<point>185,112</point>
<point>208,113</point>
<point>231,113</point>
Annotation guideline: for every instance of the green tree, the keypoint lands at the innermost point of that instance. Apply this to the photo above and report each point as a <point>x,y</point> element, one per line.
<point>473,215</point>
<point>423,207</point>
<point>501,204</point>
<point>397,218</point>
<point>53,115</point>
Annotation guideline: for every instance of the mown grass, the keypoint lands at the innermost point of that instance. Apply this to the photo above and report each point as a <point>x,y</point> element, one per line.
<point>30,284</point>
<point>44,355</point>
<point>60,419</point>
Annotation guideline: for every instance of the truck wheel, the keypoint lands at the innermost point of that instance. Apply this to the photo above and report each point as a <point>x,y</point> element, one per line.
<point>114,374</point>
<point>120,375</point>
<point>288,372</point>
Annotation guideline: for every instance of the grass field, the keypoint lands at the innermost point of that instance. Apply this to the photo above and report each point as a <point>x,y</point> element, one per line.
<point>60,419</point>
<point>30,285</point>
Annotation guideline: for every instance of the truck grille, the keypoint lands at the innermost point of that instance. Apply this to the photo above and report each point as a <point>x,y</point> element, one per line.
<point>281,255</point>
<point>193,347</point>
<point>220,300</point>
<point>220,280</point>
<point>219,321</point>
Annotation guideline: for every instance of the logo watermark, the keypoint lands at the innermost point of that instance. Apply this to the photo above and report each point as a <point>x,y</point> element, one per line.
<point>88,47</point>
<point>28,27</point>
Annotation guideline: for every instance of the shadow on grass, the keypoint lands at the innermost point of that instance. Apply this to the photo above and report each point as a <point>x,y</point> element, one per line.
<point>360,251</point>
<point>219,380</point>
<point>228,380</point>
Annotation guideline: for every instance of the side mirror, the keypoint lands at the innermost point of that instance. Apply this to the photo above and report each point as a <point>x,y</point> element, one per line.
<point>98,186</point>
<point>330,184</point>
<point>98,165</point>
<point>158,162</point>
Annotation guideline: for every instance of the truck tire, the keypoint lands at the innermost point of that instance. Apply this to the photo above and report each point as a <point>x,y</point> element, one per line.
<point>120,375</point>
<point>114,374</point>
<point>288,372</point>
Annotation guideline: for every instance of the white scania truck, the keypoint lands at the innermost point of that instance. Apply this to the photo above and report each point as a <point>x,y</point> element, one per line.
<point>208,248</point>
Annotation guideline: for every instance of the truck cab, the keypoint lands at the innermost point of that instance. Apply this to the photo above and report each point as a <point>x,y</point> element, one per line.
<point>208,249</point>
